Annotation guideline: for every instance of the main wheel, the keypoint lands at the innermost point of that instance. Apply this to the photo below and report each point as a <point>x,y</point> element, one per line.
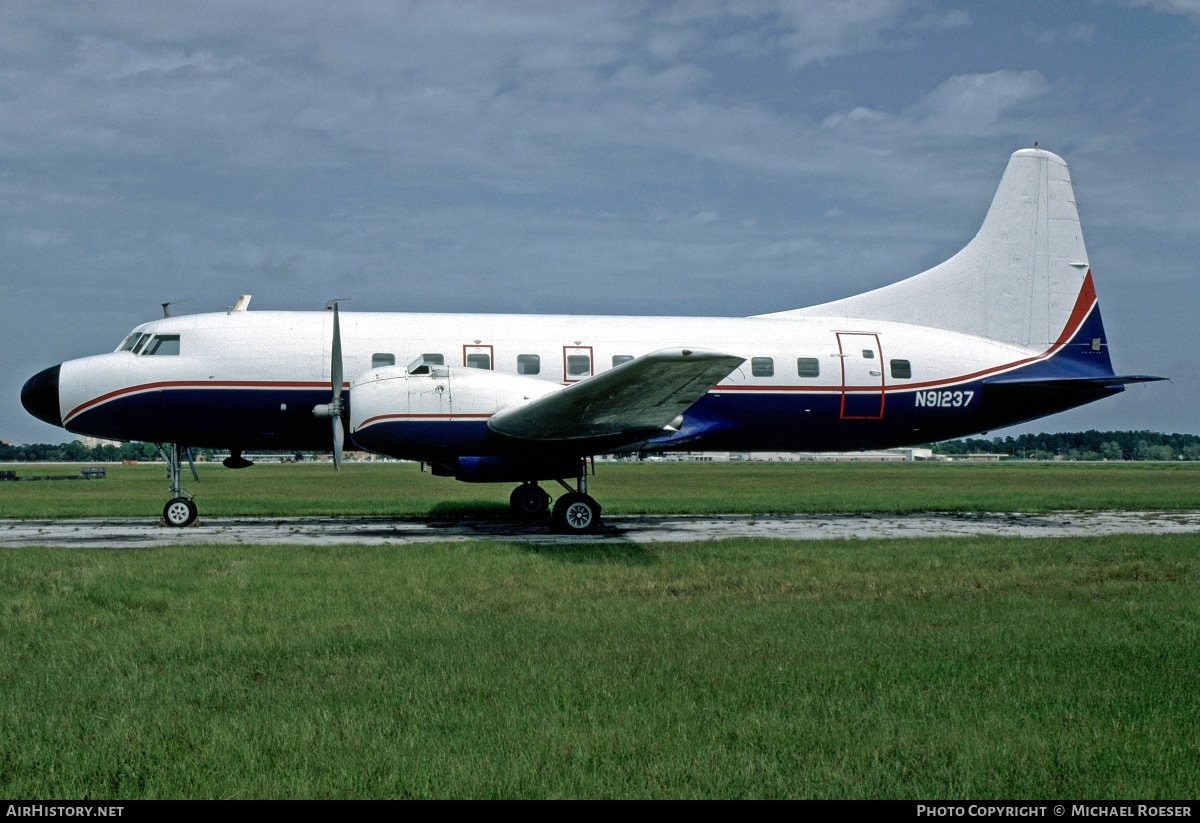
<point>576,513</point>
<point>529,500</point>
<point>179,512</point>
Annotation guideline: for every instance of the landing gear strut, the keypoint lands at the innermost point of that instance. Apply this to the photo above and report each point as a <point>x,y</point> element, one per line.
<point>529,501</point>
<point>576,512</point>
<point>180,511</point>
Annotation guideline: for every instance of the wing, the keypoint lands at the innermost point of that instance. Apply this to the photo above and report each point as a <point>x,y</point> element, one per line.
<point>641,396</point>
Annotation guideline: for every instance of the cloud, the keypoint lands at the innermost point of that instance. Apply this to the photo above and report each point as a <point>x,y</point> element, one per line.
<point>40,238</point>
<point>99,60</point>
<point>1187,8</point>
<point>963,105</point>
<point>974,102</point>
<point>1079,33</point>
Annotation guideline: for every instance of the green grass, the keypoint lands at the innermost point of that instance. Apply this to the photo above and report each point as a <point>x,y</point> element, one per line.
<point>401,489</point>
<point>957,668</point>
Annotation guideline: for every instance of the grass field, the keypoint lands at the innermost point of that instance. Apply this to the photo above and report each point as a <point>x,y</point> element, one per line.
<point>402,489</point>
<point>954,668</point>
<point>958,668</point>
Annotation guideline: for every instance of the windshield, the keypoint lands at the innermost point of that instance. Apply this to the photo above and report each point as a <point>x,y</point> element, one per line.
<point>132,340</point>
<point>163,344</point>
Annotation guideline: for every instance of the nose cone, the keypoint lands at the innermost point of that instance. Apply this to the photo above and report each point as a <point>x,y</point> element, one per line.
<point>39,396</point>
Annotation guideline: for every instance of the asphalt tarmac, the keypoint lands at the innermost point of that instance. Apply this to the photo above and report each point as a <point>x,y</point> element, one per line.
<point>134,532</point>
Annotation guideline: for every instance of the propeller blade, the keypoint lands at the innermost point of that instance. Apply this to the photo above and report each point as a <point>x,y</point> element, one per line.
<point>335,360</point>
<point>334,410</point>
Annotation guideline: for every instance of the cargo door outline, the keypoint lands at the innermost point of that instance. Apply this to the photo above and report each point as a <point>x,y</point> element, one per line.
<point>862,377</point>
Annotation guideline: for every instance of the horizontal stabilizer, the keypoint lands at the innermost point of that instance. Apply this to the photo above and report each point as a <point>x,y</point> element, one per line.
<point>639,397</point>
<point>1069,383</point>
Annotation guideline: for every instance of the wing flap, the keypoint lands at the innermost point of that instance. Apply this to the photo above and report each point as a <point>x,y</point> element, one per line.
<point>638,397</point>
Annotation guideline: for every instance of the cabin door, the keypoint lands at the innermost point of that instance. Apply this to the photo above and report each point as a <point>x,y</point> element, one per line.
<point>862,376</point>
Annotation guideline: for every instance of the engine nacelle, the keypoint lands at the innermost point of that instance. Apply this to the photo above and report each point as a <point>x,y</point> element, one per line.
<point>433,412</point>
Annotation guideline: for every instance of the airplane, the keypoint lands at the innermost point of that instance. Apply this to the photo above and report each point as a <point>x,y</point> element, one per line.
<point>1005,331</point>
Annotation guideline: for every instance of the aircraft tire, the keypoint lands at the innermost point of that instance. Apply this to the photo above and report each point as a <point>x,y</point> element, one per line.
<point>529,501</point>
<point>576,513</point>
<point>179,512</point>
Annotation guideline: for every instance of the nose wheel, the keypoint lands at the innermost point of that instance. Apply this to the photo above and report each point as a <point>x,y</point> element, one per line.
<point>179,512</point>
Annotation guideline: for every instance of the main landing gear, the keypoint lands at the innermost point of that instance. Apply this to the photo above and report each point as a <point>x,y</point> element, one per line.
<point>180,511</point>
<point>575,512</point>
<point>529,501</point>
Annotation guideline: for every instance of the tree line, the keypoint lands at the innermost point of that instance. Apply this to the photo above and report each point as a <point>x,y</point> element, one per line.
<point>76,452</point>
<point>1088,445</point>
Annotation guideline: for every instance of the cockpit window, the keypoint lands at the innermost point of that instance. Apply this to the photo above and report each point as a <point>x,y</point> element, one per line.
<point>131,341</point>
<point>141,342</point>
<point>163,344</point>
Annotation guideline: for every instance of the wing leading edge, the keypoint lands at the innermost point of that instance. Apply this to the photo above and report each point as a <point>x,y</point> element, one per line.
<point>639,397</point>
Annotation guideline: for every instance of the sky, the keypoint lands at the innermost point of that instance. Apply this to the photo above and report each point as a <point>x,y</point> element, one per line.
<point>694,158</point>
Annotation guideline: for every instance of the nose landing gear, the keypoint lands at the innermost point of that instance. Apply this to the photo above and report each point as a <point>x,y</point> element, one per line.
<point>180,511</point>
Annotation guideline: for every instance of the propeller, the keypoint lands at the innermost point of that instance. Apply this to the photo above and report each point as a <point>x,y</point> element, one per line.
<point>334,409</point>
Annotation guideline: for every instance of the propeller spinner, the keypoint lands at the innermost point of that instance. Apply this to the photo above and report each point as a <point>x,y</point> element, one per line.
<point>334,408</point>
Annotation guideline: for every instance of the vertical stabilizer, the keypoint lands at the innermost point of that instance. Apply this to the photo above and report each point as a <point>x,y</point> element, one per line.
<point>1017,281</point>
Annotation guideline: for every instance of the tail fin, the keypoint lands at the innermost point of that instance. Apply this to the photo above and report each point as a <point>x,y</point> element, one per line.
<point>1018,281</point>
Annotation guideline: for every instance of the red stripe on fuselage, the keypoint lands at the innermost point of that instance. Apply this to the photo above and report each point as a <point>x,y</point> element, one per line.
<point>446,417</point>
<point>197,384</point>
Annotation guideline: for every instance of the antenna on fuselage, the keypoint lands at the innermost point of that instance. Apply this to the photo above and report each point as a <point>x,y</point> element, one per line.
<point>166,307</point>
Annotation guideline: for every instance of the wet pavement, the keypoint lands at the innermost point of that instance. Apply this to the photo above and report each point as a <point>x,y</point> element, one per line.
<point>134,532</point>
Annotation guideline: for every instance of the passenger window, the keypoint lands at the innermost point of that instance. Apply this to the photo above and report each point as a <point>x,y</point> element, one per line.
<point>762,366</point>
<point>381,359</point>
<point>163,344</point>
<point>479,361</point>
<point>901,369</point>
<point>868,354</point>
<point>578,365</point>
<point>528,364</point>
<point>808,367</point>
<point>434,359</point>
<point>618,359</point>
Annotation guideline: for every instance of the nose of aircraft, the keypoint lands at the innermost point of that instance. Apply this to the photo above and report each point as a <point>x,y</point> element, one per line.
<point>39,396</point>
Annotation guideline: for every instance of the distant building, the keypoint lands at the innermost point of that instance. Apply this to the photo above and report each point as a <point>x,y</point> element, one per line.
<point>883,456</point>
<point>93,442</point>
